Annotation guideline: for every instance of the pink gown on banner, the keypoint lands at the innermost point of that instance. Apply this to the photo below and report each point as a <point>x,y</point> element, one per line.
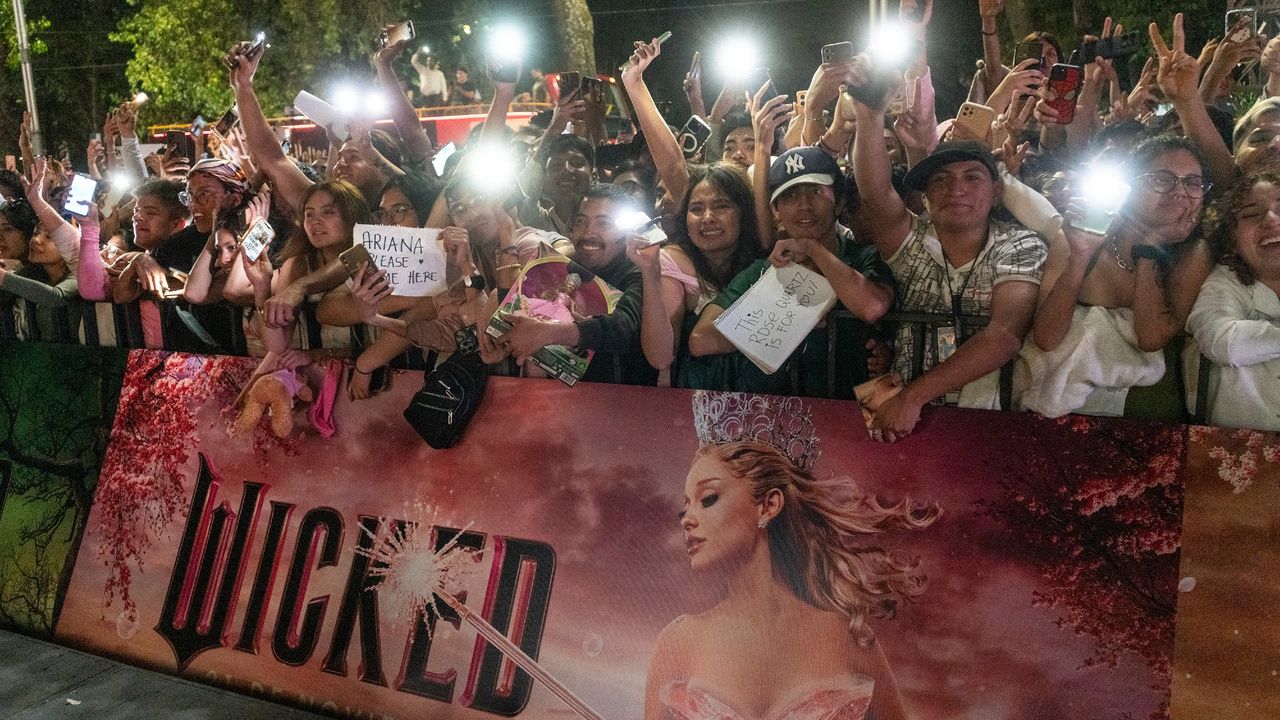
<point>845,698</point>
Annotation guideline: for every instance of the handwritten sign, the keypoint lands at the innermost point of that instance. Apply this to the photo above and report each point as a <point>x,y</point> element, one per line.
<point>412,257</point>
<point>770,320</point>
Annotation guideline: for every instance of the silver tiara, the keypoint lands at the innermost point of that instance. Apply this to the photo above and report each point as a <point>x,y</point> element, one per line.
<point>783,422</point>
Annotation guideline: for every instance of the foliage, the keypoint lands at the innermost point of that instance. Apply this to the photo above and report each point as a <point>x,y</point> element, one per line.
<point>1101,520</point>
<point>178,46</point>
<point>56,405</point>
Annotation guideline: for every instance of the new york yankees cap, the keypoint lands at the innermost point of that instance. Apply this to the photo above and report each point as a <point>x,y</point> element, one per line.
<point>801,165</point>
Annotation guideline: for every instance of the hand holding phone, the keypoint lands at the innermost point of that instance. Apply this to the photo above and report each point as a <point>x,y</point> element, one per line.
<point>354,257</point>
<point>256,239</point>
<point>80,195</point>
<point>693,135</point>
<point>1063,88</point>
<point>837,52</point>
<point>403,32</point>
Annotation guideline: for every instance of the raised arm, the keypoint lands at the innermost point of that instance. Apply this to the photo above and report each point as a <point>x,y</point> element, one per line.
<point>993,64</point>
<point>261,143</point>
<point>64,237</point>
<point>888,219</point>
<point>1178,77</point>
<point>662,144</point>
<point>417,146</point>
<point>496,121</point>
<point>90,272</point>
<point>772,112</point>
<point>662,311</point>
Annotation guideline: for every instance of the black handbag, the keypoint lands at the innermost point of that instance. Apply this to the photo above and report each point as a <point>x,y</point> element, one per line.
<point>450,394</point>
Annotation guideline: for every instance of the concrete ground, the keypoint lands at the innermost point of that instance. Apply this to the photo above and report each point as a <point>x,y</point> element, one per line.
<point>43,681</point>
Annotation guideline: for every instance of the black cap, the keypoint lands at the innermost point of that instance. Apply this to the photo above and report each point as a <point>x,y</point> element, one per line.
<point>801,165</point>
<point>952,151</point>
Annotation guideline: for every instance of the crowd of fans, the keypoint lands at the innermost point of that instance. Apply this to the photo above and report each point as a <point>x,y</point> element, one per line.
<point>966,255</point>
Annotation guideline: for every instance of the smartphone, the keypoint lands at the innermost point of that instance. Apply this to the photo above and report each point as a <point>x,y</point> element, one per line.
<point>568,82</point>
<point>353,256</point>
<point>400,33</point>
<point>1028,50</point>
<point>504,71</point>
<point>256,239</point>
<point>802,97</point>
<point>693,136</point>
<point>1113,47</point>
<point>976,120</point>
<point>1163,109</point>
<point>227,122</point>
<point>182,142</point>
<point>591,88</point>
<point>1064,87</point>
<point>80,195</point>
<point>876,92</point>
<point>259,43</point>
<point>1101,209</point>
<point>837,52</point>
<point>1248,16</point>
<point>760,77</point>
<point>661,39</point>
<point>197,125</point>
<point>651,232</point>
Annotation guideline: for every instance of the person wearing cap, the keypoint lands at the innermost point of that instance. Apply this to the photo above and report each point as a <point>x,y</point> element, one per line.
<point>957,261</point>
<point>806,194</point>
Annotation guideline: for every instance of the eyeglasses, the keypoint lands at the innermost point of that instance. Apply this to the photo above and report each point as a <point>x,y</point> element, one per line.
<point>186,197</point>
<point>395,214</point>
<point>1163,182</point>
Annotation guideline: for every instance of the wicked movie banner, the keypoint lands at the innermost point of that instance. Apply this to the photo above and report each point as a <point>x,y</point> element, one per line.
<point>262,565</point>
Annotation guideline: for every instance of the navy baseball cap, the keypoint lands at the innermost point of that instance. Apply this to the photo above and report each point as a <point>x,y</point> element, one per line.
<point>801,165</point>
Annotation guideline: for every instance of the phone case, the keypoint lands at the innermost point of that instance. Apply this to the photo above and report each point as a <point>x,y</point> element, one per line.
<point>692,136</point>
<point>567,82</point>
<point>1064,87</point>
<point>256,239</point>
<point>837,52</point>
<point>353,256</point>
<point>976,120</point>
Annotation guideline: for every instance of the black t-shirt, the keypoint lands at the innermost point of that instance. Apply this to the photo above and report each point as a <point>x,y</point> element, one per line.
<point>219,320</point>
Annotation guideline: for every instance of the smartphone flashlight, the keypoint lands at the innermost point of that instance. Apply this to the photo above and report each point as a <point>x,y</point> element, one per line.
<point>1104,189</point>
<point>737,57</point>
<point>140,98</point>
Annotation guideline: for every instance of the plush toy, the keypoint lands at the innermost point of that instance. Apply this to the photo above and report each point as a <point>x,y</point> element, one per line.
<point>275,391</point>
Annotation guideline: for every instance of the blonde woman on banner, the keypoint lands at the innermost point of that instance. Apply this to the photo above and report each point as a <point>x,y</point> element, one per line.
<point>789,637</point>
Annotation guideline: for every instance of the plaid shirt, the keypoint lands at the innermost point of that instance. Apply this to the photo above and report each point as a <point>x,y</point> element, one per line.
<point>1012,252</point>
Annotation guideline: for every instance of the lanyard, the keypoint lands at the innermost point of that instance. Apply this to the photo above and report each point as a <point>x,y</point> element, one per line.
<point>958,295</point>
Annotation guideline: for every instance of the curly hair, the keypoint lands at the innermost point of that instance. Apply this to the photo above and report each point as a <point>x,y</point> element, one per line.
<point>816,540</point>
<point>1222,216</point>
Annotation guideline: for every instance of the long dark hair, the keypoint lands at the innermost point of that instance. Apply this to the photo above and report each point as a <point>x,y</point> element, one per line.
<point>351,206</point>
<point>733,182</point>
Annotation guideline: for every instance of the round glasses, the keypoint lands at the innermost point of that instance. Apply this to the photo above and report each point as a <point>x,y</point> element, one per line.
<point>1163,182</point>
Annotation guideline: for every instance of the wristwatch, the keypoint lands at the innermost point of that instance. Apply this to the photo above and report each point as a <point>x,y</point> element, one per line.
<point>1149,252</point>
<point>475,282</point>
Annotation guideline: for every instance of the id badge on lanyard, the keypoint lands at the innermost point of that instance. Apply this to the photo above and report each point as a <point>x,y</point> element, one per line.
<point>947,337</point>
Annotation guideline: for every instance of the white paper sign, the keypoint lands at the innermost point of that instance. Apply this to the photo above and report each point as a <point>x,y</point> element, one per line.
<point>770,320</point>
<point>412,257</point>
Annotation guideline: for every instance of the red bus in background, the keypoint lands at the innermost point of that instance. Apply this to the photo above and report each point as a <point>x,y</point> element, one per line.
<point>451,123</point>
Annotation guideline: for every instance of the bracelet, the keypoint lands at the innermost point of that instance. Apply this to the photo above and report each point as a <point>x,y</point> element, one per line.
<point>811,116</point>
<point>822,143</point>
<point>989,34</point>
<point>517,266</point>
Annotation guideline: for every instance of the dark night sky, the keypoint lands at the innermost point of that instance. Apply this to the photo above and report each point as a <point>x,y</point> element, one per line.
<point>792,33</point>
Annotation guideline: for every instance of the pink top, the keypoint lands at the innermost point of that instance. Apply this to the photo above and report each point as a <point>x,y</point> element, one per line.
<point>693,290</point>
<point>91,273</point>
<point>846,698</point>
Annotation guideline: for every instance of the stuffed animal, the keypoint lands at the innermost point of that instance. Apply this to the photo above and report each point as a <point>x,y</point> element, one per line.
<point>275,391</point>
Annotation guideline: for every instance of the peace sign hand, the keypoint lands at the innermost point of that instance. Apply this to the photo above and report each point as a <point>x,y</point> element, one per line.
<point>1178,74</point>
